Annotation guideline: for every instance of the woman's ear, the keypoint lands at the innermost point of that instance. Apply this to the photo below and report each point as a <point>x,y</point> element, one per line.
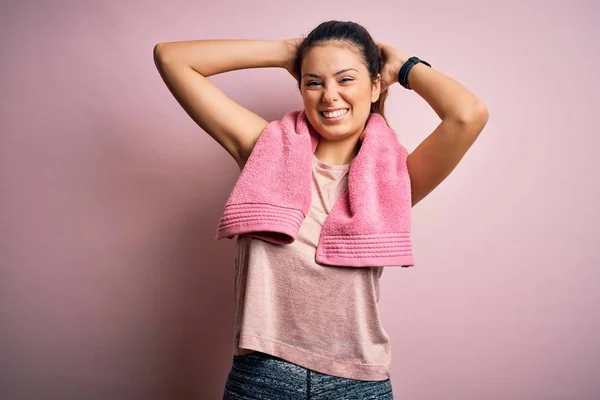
<point>376,89</point>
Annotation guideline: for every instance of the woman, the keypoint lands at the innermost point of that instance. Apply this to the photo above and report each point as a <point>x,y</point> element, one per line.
<point>304,330</point>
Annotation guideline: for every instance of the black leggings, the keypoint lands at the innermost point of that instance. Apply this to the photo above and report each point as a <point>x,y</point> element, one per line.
<point>262,376</point>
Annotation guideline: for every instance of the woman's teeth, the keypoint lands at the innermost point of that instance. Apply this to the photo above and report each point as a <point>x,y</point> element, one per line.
<point>334,114</point>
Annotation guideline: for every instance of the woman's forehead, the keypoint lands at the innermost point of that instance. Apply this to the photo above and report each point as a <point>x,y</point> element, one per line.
<point>331,58</point>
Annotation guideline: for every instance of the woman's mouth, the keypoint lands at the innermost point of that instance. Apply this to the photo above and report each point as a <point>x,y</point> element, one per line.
<point>334,115</point>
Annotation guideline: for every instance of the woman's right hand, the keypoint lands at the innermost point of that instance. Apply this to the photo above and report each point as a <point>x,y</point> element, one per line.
<point>292,50</point>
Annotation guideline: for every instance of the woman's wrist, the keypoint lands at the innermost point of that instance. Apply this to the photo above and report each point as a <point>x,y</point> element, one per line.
<point>290,54</point>
<point>400,60</point>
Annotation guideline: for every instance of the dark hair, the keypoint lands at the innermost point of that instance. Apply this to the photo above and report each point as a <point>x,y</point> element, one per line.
<point>346,31</point>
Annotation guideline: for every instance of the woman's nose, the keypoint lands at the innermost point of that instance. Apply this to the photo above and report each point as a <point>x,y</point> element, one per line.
<point>330,95</point>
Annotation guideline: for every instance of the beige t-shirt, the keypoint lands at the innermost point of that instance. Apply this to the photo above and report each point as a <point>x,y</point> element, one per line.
<point>320,317</point>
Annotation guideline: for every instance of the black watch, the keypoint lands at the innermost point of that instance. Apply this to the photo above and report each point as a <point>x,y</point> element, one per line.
<point>406,67</point>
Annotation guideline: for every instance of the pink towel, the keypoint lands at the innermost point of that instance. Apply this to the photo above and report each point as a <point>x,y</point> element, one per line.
<point>368,226</point>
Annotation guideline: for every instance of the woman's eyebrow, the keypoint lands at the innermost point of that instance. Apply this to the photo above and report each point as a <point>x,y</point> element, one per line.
<point>337,73</point>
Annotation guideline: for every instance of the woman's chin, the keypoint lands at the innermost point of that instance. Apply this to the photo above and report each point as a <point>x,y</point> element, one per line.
<point>333,132</point>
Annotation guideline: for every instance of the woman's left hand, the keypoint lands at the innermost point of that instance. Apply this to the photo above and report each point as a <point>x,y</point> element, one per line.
<point>393,60</point>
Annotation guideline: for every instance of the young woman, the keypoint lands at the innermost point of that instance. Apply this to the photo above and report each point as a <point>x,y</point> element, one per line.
<point>304,330</point>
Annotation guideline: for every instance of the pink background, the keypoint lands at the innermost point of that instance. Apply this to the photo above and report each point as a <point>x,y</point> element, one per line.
<point>113,287</point>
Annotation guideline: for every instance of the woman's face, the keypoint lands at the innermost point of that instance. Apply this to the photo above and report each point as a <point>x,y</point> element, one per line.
<point>337,90</point>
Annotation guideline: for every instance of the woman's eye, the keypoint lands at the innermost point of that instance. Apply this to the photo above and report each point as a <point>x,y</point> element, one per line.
<point>317,83</point>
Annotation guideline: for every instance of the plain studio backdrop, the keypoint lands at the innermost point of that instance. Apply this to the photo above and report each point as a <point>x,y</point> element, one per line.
<point>113,287</point>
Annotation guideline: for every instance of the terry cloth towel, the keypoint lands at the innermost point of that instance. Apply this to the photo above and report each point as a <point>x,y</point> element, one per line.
<point>369,225</point>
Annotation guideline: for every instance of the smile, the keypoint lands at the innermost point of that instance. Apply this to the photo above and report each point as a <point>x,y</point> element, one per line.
<point>334,114</point>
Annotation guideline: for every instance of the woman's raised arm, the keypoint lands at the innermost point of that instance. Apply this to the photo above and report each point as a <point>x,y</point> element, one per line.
<point>184,67</point>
